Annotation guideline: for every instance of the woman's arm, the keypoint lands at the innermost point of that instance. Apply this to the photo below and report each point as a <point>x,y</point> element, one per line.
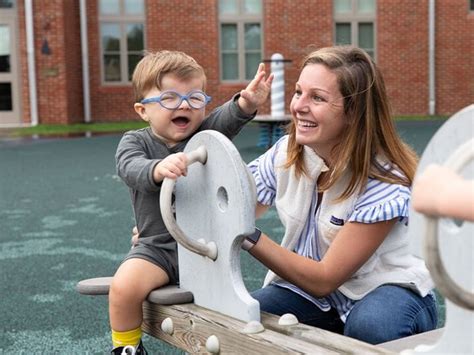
<point>260,210</point>
<point>353,246</point>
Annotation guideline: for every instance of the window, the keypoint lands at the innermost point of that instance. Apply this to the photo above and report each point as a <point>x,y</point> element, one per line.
<point>122,38</point>
<point>7,4</point>
<point>471,5</point>
<point>355,23</point>
<point>240,24</point>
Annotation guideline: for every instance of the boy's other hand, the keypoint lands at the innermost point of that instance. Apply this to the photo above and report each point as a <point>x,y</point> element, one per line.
<point>433,188</point>
<point>256,92</point>
<point>173,166</point>
<point>135,235</point>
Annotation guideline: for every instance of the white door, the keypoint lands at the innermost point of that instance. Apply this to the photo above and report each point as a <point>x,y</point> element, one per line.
<point>9,83</point>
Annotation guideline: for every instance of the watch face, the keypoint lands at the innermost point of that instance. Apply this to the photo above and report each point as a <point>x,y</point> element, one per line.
<point>255,236</point>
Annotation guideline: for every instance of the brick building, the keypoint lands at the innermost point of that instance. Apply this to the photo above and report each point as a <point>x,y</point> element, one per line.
<point>69,61</point>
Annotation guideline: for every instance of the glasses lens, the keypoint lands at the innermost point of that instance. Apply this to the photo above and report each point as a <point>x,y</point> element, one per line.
<point>197,99</point>
<point>170,100</point>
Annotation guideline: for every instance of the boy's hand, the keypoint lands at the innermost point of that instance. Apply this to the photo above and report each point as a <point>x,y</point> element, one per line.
<point>173,166</point>
<point>135,235</point>
<point>256,92</point>
<point>433,188</point>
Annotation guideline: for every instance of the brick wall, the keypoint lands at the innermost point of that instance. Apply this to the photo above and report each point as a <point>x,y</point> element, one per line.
<point>197,35</point>
<point>293,31</point>
<point>59,79</point>
<point>402,53</point>
<point>108,103</point>
<point>290,28</point>
<point>23,56</point>
<point>73,61</point>
<point>454,56</point>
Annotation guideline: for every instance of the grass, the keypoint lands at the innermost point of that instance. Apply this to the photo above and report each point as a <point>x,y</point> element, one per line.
<point>117,127</point>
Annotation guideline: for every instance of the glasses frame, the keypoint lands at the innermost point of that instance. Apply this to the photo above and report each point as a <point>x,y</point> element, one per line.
<point>181,97</point>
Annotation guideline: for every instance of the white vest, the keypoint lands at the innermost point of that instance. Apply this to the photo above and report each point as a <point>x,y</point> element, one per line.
<point>391,263</point>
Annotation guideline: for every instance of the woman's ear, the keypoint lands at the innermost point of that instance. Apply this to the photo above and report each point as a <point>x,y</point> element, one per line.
<point>140,109</point>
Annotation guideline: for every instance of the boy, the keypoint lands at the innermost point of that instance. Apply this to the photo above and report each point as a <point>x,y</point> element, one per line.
<point>169,95</point>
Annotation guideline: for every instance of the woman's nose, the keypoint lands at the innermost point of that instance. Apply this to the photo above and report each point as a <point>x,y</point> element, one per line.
<point>300,103</point>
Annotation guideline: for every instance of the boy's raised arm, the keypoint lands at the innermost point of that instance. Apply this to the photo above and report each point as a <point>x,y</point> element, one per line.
<point>256,92</point>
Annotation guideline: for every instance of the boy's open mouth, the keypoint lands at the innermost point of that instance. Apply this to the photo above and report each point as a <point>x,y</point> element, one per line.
<point>180,121</point>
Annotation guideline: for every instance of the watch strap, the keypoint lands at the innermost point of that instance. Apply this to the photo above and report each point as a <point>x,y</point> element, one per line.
<point>251,239</point>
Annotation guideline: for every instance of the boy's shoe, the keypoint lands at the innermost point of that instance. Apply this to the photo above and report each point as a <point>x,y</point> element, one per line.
<point>130,350</point>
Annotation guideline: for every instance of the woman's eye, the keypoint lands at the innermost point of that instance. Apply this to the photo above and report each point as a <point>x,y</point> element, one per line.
<point>297,93</point>
<point>317,98</point>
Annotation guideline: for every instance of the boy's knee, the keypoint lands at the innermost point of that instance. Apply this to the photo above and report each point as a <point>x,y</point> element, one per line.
<point>122,292</point>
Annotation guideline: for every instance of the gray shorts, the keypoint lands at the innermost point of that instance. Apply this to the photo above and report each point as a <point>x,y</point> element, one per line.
<point>164,258</point>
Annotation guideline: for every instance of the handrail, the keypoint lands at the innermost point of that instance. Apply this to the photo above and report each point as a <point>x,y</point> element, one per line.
<point>446,285</point>
<point>202,248</point>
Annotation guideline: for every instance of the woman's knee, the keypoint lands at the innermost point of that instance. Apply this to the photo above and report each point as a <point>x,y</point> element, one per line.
<point>269,300</point>
<point>388,313</point>
<point>367,329</point>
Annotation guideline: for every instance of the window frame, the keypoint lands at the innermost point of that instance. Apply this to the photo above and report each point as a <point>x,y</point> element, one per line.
<point>240,20</point>
<point>355,18</point>
<point>122,20</point>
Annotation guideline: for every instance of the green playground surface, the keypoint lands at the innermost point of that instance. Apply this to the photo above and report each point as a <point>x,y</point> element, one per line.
<point>65,216</point>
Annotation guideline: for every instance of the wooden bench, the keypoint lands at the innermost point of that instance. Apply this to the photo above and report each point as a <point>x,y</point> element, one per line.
<point>169,316</point>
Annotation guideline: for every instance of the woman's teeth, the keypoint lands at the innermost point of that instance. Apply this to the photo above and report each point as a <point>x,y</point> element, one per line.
<point>307,124</point>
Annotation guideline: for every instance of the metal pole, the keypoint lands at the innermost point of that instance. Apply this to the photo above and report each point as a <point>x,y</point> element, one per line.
<point>85,63</point>
<point>30,49</point>
<point>278,87</point>
<point>431,58</point>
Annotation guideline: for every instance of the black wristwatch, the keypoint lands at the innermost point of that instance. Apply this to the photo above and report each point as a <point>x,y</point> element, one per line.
<point>251,240</point>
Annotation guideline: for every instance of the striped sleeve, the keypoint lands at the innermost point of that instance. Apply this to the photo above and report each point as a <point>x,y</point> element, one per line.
<point>263,171</point>
<point>382,201</point>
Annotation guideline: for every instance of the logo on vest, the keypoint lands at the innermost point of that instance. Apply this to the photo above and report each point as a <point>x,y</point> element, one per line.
<point>337,221</point>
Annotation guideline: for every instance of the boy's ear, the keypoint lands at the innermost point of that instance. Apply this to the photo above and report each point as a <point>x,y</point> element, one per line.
<point>140,109</point>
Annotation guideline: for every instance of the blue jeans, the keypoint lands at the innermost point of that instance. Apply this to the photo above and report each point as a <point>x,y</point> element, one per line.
<point>387,313</point>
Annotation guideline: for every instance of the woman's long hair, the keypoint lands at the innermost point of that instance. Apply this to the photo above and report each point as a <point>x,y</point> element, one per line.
<point>370,131</point>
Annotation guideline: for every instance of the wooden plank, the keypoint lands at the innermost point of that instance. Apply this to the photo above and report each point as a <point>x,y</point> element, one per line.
<point>327,340</point>
<point>194,324</point>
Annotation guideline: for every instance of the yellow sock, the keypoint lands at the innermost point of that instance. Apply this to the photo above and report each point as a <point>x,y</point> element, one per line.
<point>130,337</point>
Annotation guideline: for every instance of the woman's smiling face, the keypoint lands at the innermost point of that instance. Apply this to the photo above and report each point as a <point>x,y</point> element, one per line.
<point>317,109</point>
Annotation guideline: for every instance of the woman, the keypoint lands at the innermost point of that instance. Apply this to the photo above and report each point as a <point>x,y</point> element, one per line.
<point>340,181</point>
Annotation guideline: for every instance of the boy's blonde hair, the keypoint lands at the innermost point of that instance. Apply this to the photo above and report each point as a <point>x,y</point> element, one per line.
<point>153,66</point>
<point>370,131</point>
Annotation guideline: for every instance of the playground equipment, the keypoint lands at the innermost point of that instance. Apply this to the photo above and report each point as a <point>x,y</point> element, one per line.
<point>220,197</point>
<point>448,245</point>
<point>271,127</point>
<point>214,212</point>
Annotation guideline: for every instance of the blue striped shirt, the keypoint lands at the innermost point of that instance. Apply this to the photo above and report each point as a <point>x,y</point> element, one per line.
<point>380,201</point>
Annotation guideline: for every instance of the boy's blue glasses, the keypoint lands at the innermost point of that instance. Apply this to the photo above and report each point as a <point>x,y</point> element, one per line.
<point>171,99</point>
